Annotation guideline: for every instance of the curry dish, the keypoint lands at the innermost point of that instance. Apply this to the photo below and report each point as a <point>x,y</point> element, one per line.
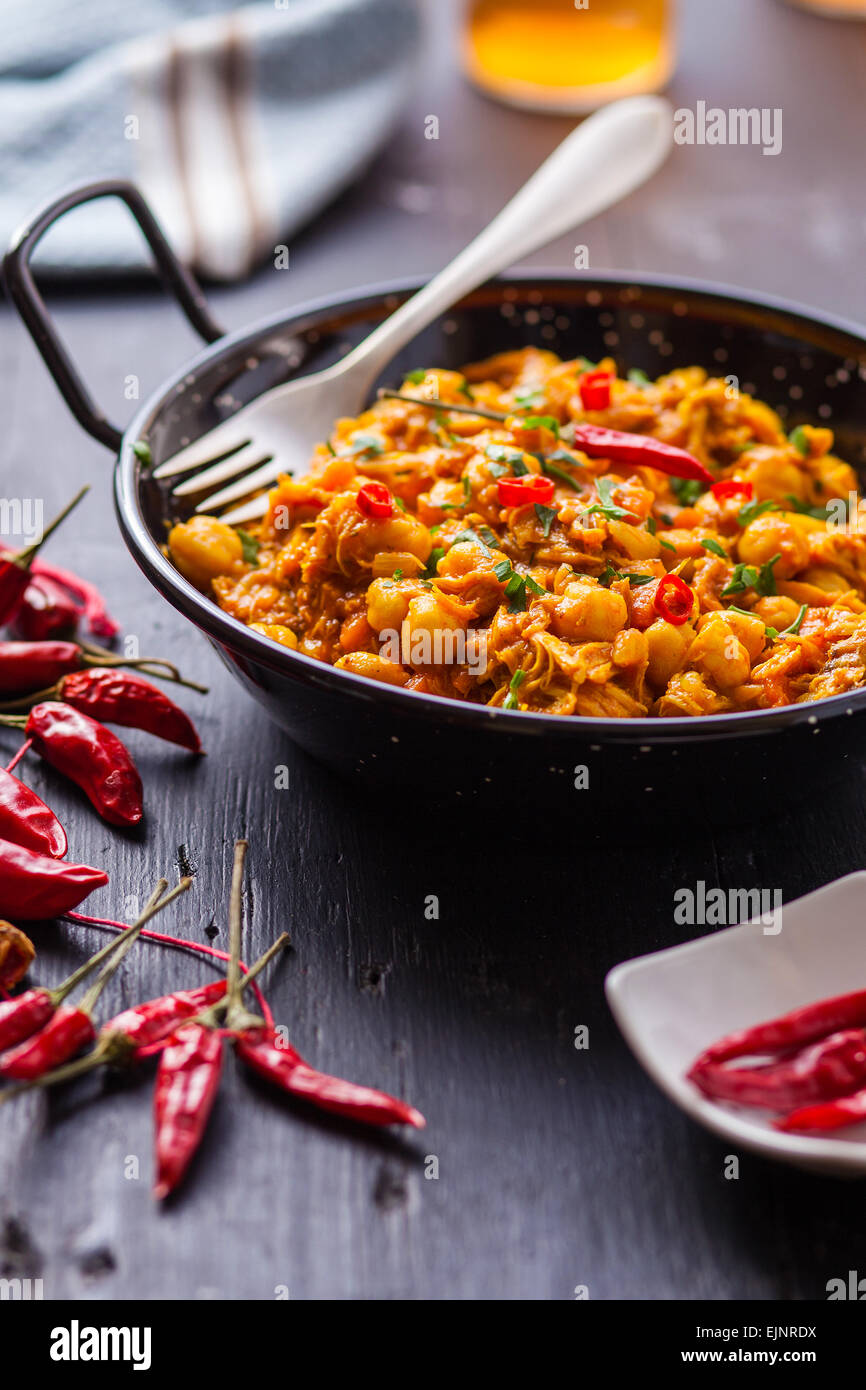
<point>589,545</point>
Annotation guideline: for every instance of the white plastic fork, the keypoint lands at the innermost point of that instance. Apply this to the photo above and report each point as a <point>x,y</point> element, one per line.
<point>601,161</point>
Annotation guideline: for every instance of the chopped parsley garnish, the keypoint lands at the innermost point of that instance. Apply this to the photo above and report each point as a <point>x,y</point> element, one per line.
<point>609,575</point>
<point>466,390</point>
<point>800,441</point>
<point>686,490</point>
<point>547,516</point>
<point>743,448</point>
<point>667,545</point>
<point>819,512</point>
<point>772,632</point>
<point>637,580</point>
<point>607,507</point>
<point>714,546</point>
<point>249,546</point>
<point>366,444</point>
<point>762,580</point>
<point>431,569</point>
<point>476,538</point>
<point>527,397</point>
<point>549,467</point>
<point>751,510</point>
<point>442,427</point>
<point>142,452</point>
<point>510,701</point>
<point>330,448</point>
<point>398,574</point>
<point>639,378</point>
<point>540,422</point>
<point>467,488</point>
<point>515,585</point>
<point>795,626</point>
<point>500,453</point>
<point>652,525</point>
<point>497,469</point>
<point>417,376</point>
<point>586,365</point>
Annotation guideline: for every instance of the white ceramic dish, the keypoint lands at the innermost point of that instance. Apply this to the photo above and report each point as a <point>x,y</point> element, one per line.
<point>672,1004</point>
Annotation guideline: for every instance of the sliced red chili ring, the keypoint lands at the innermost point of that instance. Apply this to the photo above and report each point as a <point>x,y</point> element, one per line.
<point>673,600</point>
<point>375,500</point>
<point>530,487</point>
<point>732,487</point>
<point>594,388</point>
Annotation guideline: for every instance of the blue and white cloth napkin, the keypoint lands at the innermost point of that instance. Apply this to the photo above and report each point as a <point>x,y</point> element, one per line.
<point>238,120</point>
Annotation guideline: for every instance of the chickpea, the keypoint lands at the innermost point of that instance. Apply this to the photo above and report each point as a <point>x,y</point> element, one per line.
<point>387,604</point>
<point>401,532</point>
<point>827,579</point>
<point>771,535</point>
<point>589,613</point>
<point>667,645</point>
<point>777,611</point>
<point>204,548</point>
<point>428,614</point>
<point>630,648</point>
<point>277,633</point>
<point>720,654</point>
<point>633,542</point>
<point>376,668</point>
<point>463,558</point>
<point>750,631</point>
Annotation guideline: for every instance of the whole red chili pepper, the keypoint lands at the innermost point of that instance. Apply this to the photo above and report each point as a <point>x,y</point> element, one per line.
<point>732,487</point>
<point>375,500</point>
<point>86,598</point>
<point>640,449</point>
<point>594,388</point>
<point>34,886</point>
<point>673,600</point>
<point>27,667</point>
<point>91,756</point>
<point>187,1081</point>
<point>833,1114</point>
<point>261,1049</point>
<point>791,1030</point>
<point>46,611</point>
<point>529,487</point>
<point>16,564</point>
<point>26,820</point>
<point>156,1019</point>
<point>832,1067</point>
<point>120,697</point>
<point>71,1027</point>
<point>66,1032</point>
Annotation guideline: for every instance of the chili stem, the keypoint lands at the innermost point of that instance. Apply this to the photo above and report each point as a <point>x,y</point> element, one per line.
<point>435,404</point>
<point>156,902</point>
<point>24,557</point>
<point>150,665</point>
<point>236,917</point>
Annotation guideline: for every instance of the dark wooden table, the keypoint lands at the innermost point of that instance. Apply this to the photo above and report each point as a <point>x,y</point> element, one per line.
<point>556,1167</point>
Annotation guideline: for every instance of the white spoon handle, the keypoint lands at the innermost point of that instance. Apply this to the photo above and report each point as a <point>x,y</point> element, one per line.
<point>601,161</point>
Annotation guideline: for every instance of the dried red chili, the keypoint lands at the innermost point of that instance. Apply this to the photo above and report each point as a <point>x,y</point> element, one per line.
<point>26,820</point>
<point>120,697</point>
<point>529,487</point>
<point>46,611</point>
<point>795,1029</point>
<point>91,756</point>
<point>31,667</point>
<point>264,1052</point>
<point>832,1114</point>
<point>642,450</point>
<point>673,600</point>
<point>155,1019</point>
<point>17,954</point>
<point>594,388</point>
<point>34,886</point>
<point>15,566</point>
<point>86,598</point>
<point>732,487</point>
<point>187,1081</point>
<point>832,1067</point>
<point>375,500</point>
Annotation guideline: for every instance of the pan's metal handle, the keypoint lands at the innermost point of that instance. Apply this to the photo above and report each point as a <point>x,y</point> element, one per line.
<point>31,306</point>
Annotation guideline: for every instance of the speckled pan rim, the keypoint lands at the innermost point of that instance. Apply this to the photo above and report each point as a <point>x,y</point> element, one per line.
<point>253,647</point>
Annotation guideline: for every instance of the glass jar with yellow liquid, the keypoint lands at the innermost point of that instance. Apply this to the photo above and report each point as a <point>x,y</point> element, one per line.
<point>568,56</point>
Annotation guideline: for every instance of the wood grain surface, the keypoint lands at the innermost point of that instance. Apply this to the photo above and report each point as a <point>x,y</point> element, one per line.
<point>557,1167</point>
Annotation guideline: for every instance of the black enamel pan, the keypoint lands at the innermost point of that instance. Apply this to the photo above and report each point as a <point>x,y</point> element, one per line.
<point>807,367</point>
